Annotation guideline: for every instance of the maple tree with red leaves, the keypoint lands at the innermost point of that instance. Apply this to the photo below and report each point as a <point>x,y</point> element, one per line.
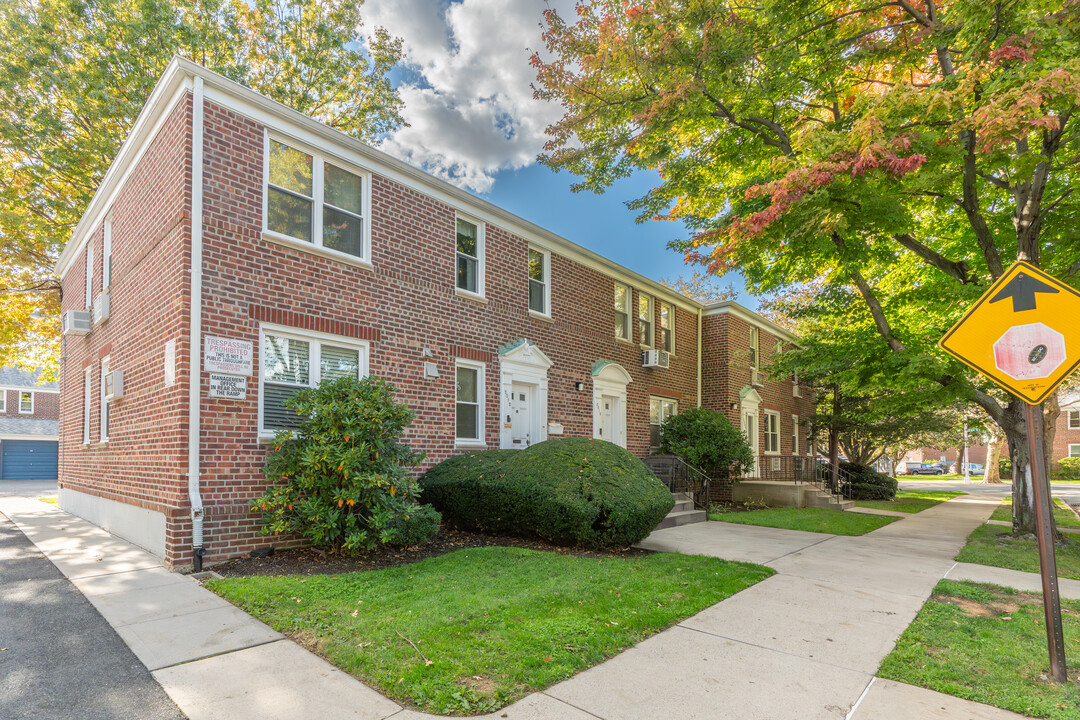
<point>905,150</point>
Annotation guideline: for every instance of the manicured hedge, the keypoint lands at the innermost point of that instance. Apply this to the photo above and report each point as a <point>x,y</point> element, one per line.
<point>865,483</point>
<point>569,491</point>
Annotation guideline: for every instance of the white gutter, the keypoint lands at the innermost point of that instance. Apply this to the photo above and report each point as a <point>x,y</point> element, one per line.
<point>700,360</point>
<point>195,345</point>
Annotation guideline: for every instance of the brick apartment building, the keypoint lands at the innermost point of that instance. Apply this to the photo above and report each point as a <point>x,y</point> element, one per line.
<point>29,410</point>
<point>237,250</point>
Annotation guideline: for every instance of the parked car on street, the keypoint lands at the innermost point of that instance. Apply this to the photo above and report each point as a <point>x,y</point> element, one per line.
<point>925,469</point>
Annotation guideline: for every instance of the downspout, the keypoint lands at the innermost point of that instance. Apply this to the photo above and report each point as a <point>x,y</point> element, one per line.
<point>195,344</point>
<point>700,360</point>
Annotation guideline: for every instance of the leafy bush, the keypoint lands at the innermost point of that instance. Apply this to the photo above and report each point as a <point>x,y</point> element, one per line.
<point>343,478</point>
<point>568,491</point>
<point>1070,467</point>
<point>1005,467</point>
<point>861,482</point>
<point>708,441</point>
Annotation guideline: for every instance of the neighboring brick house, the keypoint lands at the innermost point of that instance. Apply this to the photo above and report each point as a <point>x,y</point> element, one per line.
<point>1067,437</point>
<point>309,255</point>
<point>29,410</point>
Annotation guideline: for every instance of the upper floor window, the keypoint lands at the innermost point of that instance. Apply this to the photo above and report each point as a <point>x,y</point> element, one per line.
<point>26,402</point>
<point>1074,419</point>
<point>622,311</point>
<point>470,242</point>
<point>291,362</point>
<point>754,355</point>
<point>87,399</point>
<point>103,419</point>
<point>645,319</point>
<point>794,434</point>
<point>90,273</point>
<point>772,432</point>
<point>3,401</point>
<point>796,388</point>
<point>106,254</point>
<point>667,327</point>
<point>312,200</point>
<point>539,286</point>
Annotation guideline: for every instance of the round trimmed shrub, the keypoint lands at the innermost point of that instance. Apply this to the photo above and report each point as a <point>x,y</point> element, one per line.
<point>569,491</point>
<point>862,482</point>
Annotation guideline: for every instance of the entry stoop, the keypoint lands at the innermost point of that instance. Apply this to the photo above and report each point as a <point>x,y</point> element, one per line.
<point>822,499</point>
<point>683,513</point>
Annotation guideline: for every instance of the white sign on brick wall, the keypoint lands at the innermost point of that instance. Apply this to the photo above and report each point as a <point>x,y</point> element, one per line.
<point>232,387</point>
<point>170,363</point>
<point>227,355</point>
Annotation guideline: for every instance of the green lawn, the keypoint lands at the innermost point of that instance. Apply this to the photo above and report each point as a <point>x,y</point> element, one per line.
<point>820,520</point>
<point>993,545</point>
<point>493,623</point>
<point>911,501</point>
<point>1062,515</point>
<point>988,644</point>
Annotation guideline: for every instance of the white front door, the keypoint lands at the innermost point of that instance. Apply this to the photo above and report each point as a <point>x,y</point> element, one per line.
<point>607,418</point>
<point>750,430</point>
<point>521,415</point>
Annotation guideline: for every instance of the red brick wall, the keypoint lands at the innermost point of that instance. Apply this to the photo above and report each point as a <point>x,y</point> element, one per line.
<point>144,462</point>
<point>46,405</point>
<point>1063,437</point>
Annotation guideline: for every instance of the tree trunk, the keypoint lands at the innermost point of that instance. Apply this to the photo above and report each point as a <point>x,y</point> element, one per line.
<point>1051,413</point>
<point>960,458</point>
<point>991,472</point>
<point>1016,433</point>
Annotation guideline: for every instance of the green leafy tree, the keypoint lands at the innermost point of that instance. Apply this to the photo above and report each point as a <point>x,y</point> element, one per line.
<point>707,440</point>
<point>906,150</point>
<point>342,479</point>
<point>74,75</point>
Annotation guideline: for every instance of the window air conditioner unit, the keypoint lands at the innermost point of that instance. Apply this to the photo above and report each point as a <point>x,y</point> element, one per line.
<point>75,322</point>
<point>655,359</point>
<point>796,391</point>
<point>756,378</point>
<point>101,308</point>
<point>114,385</point>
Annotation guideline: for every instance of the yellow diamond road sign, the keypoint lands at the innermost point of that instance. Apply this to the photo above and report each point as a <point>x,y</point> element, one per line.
<point>1023,333</point>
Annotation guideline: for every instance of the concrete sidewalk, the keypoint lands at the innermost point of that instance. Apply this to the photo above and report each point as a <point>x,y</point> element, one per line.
<point>804,643</point>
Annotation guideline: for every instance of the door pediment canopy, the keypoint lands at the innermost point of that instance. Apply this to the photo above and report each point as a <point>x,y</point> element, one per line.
<point>611,371</point>
<point>524,352</point>
<point>749,396</point>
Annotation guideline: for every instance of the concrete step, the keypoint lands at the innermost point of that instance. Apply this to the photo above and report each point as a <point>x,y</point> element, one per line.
<point>682,517</point>
<point>683,505</point>
<point>822,499</point>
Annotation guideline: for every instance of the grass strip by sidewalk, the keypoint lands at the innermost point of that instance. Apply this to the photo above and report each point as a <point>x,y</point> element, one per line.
<point>1063,516</point>
<point>819,520</point>
<point>911,501</point>
<point>995,546</point>
<point>474,630</point>
<point>988,644</point>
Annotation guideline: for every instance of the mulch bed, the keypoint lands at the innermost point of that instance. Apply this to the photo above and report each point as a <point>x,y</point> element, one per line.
<point>310,561</point>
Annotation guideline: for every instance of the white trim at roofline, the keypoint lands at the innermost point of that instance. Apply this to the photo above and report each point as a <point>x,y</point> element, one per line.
<point>179,77</point>
<point>12,436</point>
<point>730,307</point>
<point>29,388</point>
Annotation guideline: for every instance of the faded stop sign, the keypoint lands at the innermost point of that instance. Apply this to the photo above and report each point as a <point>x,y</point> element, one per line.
<point>1026,352</point>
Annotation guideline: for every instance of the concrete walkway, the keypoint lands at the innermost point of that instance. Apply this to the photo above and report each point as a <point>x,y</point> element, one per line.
<point>804,643</point>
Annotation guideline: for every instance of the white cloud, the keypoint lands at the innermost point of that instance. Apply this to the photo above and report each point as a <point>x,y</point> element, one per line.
<point>468,99</point>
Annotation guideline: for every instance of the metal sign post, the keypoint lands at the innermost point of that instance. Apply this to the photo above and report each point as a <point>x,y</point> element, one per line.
<point>1027,346</point>
<point>1040,486</point>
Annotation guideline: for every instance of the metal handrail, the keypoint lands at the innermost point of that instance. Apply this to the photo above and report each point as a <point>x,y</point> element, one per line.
<point>681,477</point>
<point>801,470</point>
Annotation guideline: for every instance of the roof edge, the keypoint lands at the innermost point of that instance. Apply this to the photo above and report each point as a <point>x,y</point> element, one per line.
<point>730,307</point>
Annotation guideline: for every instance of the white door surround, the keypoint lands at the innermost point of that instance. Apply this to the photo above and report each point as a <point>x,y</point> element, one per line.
<point>522,367</point>
<point>749,414</point>
<point>609,401</point>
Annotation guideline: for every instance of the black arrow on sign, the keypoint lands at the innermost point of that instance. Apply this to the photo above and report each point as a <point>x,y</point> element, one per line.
<point>1022,289</point>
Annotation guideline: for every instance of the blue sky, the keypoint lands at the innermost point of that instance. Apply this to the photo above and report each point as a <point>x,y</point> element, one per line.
<point>465,82</point>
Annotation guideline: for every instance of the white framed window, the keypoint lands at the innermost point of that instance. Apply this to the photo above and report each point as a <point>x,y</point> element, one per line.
<point>3,401</point>
<point>796,389</point>
<point>90,273</point>
<point>1074,419</point>
<point>469,403</point>
<point>794,434</point>
<point>660,409</point>
<point>539,282</point>
<point>103,420</point>
<point>291,360</point>
<point>469,245</point>
<point>754,348</point>
<point>87,400</point>
<point>26,402</point>
<point>772,433</point>
<point>1074,450</point>
<point>309,199</point>
<point>646,320</point>
<point>667,327</point>
<point>623,294</point>
<point>106,254</point>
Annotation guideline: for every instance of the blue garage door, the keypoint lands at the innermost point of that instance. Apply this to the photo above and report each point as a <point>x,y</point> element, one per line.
<point>28,459</point>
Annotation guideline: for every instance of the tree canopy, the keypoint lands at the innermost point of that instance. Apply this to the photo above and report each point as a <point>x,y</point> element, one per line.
<point>74,75</point>
<point>906,150</point>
